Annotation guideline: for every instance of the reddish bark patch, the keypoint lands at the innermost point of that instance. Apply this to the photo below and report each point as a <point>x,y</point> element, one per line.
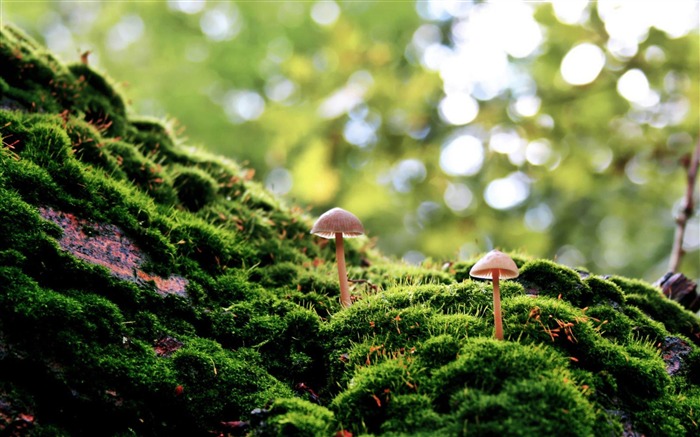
<point>13,422</point>
<point>673,352</point>
<point>108,246</point>
<point>166,346</point>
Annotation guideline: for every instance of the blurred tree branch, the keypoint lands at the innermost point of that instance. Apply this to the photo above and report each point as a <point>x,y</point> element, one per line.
<point>687,209</point>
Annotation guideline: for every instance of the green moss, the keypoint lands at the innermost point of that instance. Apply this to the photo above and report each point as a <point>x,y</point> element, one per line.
<point>674,317</point>
<point>644,326</point>
<point>100,103</point>
<point>390,275</point>
<point>605,292</point>
<point>612,323</point>
<point>221,383</point>
<point>4,87</point>
<point>361,407</point>
<point>153,138</point>
<point>297,417</point>
<point>524,408</point>
<point>439,350</point>
<point>411,414</point>
<point>144,173</point>
<point>546,278</point>
<point>195,188</point>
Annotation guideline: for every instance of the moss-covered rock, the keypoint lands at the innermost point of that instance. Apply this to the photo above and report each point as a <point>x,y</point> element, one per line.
<point>149,289</point>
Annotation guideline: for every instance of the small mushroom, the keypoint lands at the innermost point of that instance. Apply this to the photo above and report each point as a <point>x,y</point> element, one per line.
<point>495,265</point>
<point>338,223</point>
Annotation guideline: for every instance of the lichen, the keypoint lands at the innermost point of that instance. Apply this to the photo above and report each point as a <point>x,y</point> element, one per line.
<point>150,288</point>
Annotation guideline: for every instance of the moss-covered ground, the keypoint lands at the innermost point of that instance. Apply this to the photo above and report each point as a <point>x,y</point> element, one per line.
<point>147,288</point>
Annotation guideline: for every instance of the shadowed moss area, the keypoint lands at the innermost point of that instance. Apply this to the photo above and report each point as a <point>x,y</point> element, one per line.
<point>147,288</point>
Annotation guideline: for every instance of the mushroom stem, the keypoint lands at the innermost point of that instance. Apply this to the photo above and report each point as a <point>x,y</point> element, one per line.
<point>497,320</point>
<point>342,272</point>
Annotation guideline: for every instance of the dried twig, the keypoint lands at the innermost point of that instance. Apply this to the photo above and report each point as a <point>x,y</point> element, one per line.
<point>686,211</point>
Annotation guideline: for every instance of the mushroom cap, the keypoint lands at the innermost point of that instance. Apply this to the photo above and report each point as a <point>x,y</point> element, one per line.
<point>492,261</point>
<point>337,220</point>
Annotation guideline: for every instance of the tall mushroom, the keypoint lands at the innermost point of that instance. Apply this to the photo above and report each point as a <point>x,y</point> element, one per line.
<point>495,265</point>
<point>338,223</point>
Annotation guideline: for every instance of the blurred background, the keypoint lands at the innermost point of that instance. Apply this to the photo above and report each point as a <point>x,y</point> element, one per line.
<point>448,127</point>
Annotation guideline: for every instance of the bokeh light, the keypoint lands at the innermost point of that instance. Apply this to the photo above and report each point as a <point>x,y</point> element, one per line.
<point>582,64</point>
<point>462,156</point>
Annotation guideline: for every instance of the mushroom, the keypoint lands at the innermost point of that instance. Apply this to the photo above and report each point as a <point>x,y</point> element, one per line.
<point>338,223</point>
<point>495,265</point>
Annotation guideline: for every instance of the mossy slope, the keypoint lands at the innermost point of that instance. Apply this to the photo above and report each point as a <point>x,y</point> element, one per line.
<point>204,307</point>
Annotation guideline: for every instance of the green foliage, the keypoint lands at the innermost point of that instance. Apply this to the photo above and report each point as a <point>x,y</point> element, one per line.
<point>573,143</point>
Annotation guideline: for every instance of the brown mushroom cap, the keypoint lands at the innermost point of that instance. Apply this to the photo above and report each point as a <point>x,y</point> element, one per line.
<point>495,260</point>
<point>335,221</point>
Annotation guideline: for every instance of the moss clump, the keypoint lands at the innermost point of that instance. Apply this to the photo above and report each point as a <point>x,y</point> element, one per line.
<point>546,278</point>
<point>297,417</point>
<point>195,188</point>
<point>650,300</point>
<point>148,289</point>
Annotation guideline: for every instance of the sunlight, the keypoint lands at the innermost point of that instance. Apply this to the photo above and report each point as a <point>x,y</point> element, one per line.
<point>463,156</point>
<point>634,86</point>
<point>222,23</point>
<point>582,64</point>
<point>539,218</point>
<point>407,173</point>
<point>538,152</point>
<point>458,108</point>
<point>325,13</point>
<point>478,64</point>
<point>280,89</point>
<point>505,142</point>
<point>458,197</point>
<point>508,192</point>
<point>570,256</point>
<point>279,181</point>
<point>126,32</point>
<point>243,105</point>
<point>187,6</point>
<point>59,38</point>
<point>569,11</point>
<point>527,106</point>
